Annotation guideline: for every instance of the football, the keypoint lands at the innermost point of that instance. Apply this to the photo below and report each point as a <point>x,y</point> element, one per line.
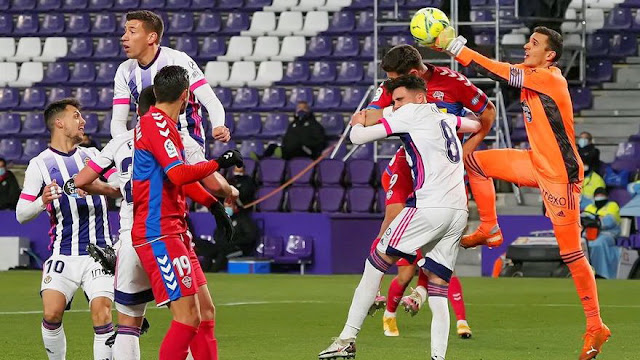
<point>426,25</point>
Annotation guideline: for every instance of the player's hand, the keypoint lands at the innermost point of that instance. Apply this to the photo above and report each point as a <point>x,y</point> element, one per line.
<point>51,192</point>
<point>359,117</point>
<point>223,221</point>
<point>235,194</point>
<point>448,42</point>
<point>81,193</point>
<point>230,158</point>
<point>222,133</point>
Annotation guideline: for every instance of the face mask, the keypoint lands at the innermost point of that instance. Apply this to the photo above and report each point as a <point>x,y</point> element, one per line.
<point>582,142</point>
<point>229,210</point>
<point>586,169</point>
<point>301,113</point>
<point>600,201</point>
<point>3,171</point>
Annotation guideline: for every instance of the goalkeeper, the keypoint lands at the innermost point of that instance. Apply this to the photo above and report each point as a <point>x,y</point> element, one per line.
<point>552,164</point>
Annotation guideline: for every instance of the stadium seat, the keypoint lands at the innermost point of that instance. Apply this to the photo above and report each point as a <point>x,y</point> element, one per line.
<point>295,167</point>
<point>203,4</point>
<point>269,246</point>
<point>289,23</point>
<point>10,124</point>
<point>212,47</point>
<point>54,48</point>
<point>262,23</point>
<point>308,5</point>
<point>271,204</point>
<point>265,48</point>
<point>91,125</point>
<point>230,4</point>
<point>8,73</point>
<point>350,72</point>
<point>236,22</point>
<point>48,5</point>
<point>274,126</point>
<point>224,95</point>
<point>106,73</point>
<point>107,48</point>
<point>101,4</point>
<point>281,5</point>
<point>342,22</point>
<point>218,148</point>
<point>364,152</point>
<point>599,71</point>
<point>208,23</point>
<point>388,148</point>
<point>319,47</point>
<point>300,94</point>
<point>352,97</point>
<point>105,126</point>
<point>10,149</point>
<point>181,23</point>
<point>360,171</point>
<point>82,73</point>
<point>365,22</point>
<point>32,148</point>
<point>581,98</point>
<point>34,124</point>
<point>272,99</point>
<point>360,199</point>
<point>323,72</point>
<point>513,39</point>
<point>242,72</point>
<point>6,25</point>
<point>56,73</point>
<point>247,126</point>
<point>30,73</point>
<point>623,45</point>
<point>402,39</point>
<point>229,122</point>
<point>152,4</point>
<point>269,72</point>
<point>346,47</point>
<point>333,124</point>
<point>81,48</point>
<point>315,22</point>
<point>28,48</point>
<point>78,24</point>
<point>256,4</point>
<point>335,5</point>
<point>58,94</point>
<point>177,5</point>
<point>251,148</point>
<point>23,5</point>
<point>330,172</point>
<point>33,98</point>
<point>367,48</point>
<point>7,48</point>
<point>485,39</point>
<point>216,72</point>
<point>104,24</point>
<point>75,4</point>
<point>330,199</point>
<point>188,45</point>
<point>87,96</point>
<point>598,45</point>
<point>52,24</point>
<point>272,171</point>
<point>594,20</point>
<point>292,47</point>
<point>9,98</point>
<point>620,196</point>
<point>105,99</point>
<point>301,198</point>
<point>297,72</point>
<point>126,4</point>
<point>618,19</point>
<point>329,98</point>
<point>245,98</point>
<point>239,47</point>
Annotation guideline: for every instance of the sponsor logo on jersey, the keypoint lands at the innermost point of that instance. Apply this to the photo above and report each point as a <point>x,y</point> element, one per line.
<point>438,95</point>
<point>47,279</point>
<point>69,188</point>
<point>389,194</point>
<point>526,111</point>
<point>186,281</point>
<point>379,92</point>
<point>170,148</point>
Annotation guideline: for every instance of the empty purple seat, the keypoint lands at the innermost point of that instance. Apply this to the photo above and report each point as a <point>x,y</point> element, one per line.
<point>126,4</point>
<point>56,73</point>
<point>230,4</point>
<point>300,94</point>
<point>618,19</point>
<point>52,24</point>
<point>245,98</point>
<point>82,73</point>
<point>256,4</point>
<point>361,4</point>
<point>485,39</point>
<point>107,48</point>
<point>581,98</point>
<point>75,4</point>
<point>270,246</point>
<point>81,48</point>
<point>104,24</point>
<point>330,199</point>
<point>402,39</point>
<point>105,99</point>
<point>599,71</point>
<point>224,95</point>
<point>623,45</point>
<point>48,5</point>
<point>328,99</point>
<point>323,72</point>
<point>203,4</point>
<point>248,125</point>
<point>105,126</point>
<point>87,96</point>
<point>91,126</point>
<point>5,5</point>
<point>361,172</point>
<point>229,122</point>
<point>390,4</point>
<point>360,199</point>
<point>6,24</point>
<point>347,47</point>
<point>10,149</point>
<point>318,47</point>
<point>78,24</point>
<point>10,124</point>
<point>212,47</point>
<point>598,44</point>
<point>23,5</point>
<point>152,4</point>
<point>271,204</point>
<point>367,48</point>
<point>352,97</point>
<point>236,22</point>
<point>297,250</point>
<point>364,152</point>
<point>188,45</point>
<point>27,24</point>
<point>274,126</point>
<point>301,198</point>
<point>33,99</point>
<point>295,166</point>
<point>342,22</point>
<point>388,148</point>
<point>252,148</point>
<point>177,4</point>
<point>271,171</point>
<point>218,148</point>
<point>101,4</point>
<point>333,124</point>
<point>181,23</point>
<point>621,196</point>
<point>297,72</point>
<point>273,99</point>
<point>249,168</point>
<point>9,98</point>
<point>32,148</point>
<point>34,124</point>
<point>330,171</point>
<point>58,94</point>
<point>365,23</point>
<point>350,72</point>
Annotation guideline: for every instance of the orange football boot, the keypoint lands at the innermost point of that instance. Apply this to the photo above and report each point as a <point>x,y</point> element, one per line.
<point>493,238</point>
<point>593,341</point>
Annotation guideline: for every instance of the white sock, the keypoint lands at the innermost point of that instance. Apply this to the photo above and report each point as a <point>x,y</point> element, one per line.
<point>55,342</point>
<point>127,346</point>
<point>439,306</point>
<point>364,295</point>
<point>422,292</point>
<point>102,351</point>
<point>389,314</point>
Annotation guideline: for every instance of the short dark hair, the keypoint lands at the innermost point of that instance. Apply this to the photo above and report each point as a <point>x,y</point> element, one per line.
<point>146,99</point>
<point>169,83</point>
<point>554,40</point>
<point>401,59</point>
<point>407,81</point>
<point>150,21</point>
<point>56,108</point>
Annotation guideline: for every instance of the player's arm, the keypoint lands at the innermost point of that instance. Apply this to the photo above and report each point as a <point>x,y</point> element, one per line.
<point>466,124</point>
<point>101,164</point>
<point>30,205</point>
<point>381,100</point>
<point>398,122</point>
<point>486,119</point>
<point>121,101</point>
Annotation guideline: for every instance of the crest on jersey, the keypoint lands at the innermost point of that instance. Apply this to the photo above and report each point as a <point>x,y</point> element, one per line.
<point>527,112</point>
<point>389,194</point>
<point>86,161</point>
<point>379,92</point>
<point>438,95</point>
<point>170,148</point>
<point>186,281</point>
<point>47,279</point>
<point>69,188</point>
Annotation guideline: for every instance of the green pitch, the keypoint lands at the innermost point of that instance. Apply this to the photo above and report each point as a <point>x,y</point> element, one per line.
<point>274,317</point>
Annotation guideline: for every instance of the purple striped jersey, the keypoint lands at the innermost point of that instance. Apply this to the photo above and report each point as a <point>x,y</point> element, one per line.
<point>75,221</point>
<point>131,78</point>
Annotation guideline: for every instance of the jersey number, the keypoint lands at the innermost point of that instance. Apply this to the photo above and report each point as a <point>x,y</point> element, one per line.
<point>453,152</point>
<point>181,264</point>
<point>126,165</point>
<point>58,267</point>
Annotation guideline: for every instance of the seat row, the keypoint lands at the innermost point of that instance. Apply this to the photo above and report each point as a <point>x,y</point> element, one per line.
<point>362,200</point>
<point>36,98</point>
<point>619,18</point>
<point>616,46</point>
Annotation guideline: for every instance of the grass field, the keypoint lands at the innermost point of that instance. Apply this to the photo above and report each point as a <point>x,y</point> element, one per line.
<point>273,317</point>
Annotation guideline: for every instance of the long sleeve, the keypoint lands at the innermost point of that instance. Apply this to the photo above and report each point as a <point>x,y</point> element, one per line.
<point>197,193</point>
<point>30,205</point>
<point>182,174</point>
<point>361,135</point>
<point>210,101</point>
<point>121,101</point>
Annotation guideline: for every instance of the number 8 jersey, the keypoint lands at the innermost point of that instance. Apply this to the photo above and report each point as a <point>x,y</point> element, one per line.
<point>434,154</point>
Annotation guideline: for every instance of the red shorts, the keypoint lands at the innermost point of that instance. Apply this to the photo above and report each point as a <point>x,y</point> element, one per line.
<point>172,267</point>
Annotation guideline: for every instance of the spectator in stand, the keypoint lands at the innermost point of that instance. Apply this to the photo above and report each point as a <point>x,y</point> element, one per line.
<point>592,181</point>
<point>88,142</point>
<point>9,188</point>
<point>604,255</point>
<point>588,152</point>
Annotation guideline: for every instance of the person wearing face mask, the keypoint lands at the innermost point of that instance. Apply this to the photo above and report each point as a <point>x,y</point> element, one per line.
<point>9,188</point>
<point>604,255</point>
<point>589,154</point>
<point>305,137</point>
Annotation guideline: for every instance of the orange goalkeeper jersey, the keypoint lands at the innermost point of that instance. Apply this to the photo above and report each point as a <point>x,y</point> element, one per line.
<point>548,114</point>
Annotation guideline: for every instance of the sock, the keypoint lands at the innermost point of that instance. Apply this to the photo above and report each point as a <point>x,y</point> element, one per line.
<point>483,192</point>
<point>439,320</point>
<point>204,345</point>
<point>455,298</point>
<point>55,342</point>
<point>175,345</point>
<point>396,290</point>
<point>374,268</point>
<point>127,345</point>
<point>102,351</point>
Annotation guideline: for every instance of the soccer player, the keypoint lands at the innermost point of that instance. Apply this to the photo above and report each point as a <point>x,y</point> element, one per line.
<point>436,215</point>
<point>454,94</point>
<point>552,164</point>
<point>76,221</point>
<point>159,233</point>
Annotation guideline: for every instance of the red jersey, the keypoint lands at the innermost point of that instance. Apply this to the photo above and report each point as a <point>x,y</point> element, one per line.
<point>397,181</point>
<point>158,205</point>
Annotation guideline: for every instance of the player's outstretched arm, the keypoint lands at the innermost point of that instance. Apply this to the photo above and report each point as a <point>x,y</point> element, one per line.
<point>361,134</point>
<point>181,174</point>
<point>468,125</point>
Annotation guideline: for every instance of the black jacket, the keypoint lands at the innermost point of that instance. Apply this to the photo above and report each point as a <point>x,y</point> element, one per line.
<point>590,155</point>
<point>305,137</point>
<point>9,192</point>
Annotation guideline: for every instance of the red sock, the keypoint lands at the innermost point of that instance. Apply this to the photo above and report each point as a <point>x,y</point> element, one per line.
<point>204,345</point>
<point>455,298</point>
<point>423,280</point>
<point>175,345</point>
<point>396,290</point>
<point>375,243</point>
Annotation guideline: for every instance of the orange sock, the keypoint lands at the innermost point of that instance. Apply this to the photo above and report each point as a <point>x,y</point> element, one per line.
<point>585,282</point>
<point>483,192</point>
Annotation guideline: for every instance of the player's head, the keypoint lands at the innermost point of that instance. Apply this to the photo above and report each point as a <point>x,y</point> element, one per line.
<point>171,85</point>
<point>407,89</point>
<point>543,49</point>
<point>401,60</point>
<point>142,31</point>
<point>146,99</point>
<point>64,117</point>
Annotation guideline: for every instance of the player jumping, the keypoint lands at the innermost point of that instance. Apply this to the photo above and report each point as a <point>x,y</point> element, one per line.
<point>76,221</point>
<point>552,164</point>
<point>435,216</point>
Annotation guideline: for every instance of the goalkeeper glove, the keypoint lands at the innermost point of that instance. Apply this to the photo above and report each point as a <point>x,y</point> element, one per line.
<point>230,158</point>
<point>223,221</point>
<point>449,43</point>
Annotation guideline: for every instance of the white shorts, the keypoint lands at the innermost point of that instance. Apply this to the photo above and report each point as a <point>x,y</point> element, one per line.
<point>193,151</point>
<point>436,230</point>
<point>132,286</point>
<point>67,274</point>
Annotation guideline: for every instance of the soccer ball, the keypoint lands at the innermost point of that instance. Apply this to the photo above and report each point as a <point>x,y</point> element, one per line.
<point>427,24</point>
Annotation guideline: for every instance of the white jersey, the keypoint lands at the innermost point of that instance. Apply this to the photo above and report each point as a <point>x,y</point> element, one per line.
<point>119,153</point>
<point>75,221</point>
<point>434,154</point>
<point>131,79</point>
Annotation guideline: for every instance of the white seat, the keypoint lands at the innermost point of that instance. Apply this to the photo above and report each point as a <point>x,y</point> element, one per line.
<point>216,72</point>
<point>335,5</point>
<point>239,47</point>
<point>314,23</point>
<point>570,26</point>
<point>262,22</point>
<point>54,48</point>
<point>571,40</point>
<point>241,73</point>
<point>269,72</point>
<point>7,48</point>
<point>28,48</point>
<point>289,23</point>
<point>292,47</point>
<point>281,5</point>
<point>594,19</point>
<point>30,73</point>
<point>309,5</point>
<point>513,39</point>
<point>605,4</point>
<point>8,73</point>
<point>265,48</point>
